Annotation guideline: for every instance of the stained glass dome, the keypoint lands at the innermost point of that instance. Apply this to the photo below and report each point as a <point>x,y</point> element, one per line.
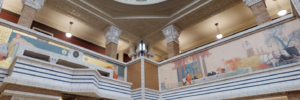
<point>140,2</point>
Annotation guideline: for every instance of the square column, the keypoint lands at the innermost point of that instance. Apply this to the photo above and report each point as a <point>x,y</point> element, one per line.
<point>111,50</point>
<point>171,34</point>
<point>30,7</point>
<point>112,34</point>
<point>259,10</point>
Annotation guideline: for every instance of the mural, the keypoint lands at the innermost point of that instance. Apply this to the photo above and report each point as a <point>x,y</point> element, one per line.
<point>118,70</point>
<point>9,40</point>
<point>273,47</point>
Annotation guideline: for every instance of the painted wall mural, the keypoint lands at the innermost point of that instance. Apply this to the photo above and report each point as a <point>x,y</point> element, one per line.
<point>118,70</point>
<point>9,40</point>
<point>273,47</point>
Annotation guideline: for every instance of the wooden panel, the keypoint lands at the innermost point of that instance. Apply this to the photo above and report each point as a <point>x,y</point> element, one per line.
<point>151,76</point>
<point>134,75</point>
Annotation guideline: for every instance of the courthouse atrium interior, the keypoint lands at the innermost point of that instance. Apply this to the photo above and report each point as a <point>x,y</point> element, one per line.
<point>149,49</point>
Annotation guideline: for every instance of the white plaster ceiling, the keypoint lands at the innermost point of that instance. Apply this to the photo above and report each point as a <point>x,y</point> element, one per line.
<point>195,17</point>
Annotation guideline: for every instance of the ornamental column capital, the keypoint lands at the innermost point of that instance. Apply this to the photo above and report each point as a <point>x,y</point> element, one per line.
<point>36,4</point>
<point>112,34</point>
<point>171,33</point>
<point>249,3</point>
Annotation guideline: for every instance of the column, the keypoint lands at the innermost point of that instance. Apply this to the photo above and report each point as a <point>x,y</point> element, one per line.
<point>121,56</point>
<point>171,34</point>
<point>259,10</point>
<point>1,3</point>
<point>150,51</point>
<point>30,7</point>
<point>295,95</point>
<point>143,78</point>
<point>112,34</point>
<point>296,5</point>
<point>132,53</point>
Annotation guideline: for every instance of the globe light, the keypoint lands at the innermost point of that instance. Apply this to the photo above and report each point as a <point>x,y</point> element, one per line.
<point>219,36</point>
<point>68,35</point>
<point>282,12</point>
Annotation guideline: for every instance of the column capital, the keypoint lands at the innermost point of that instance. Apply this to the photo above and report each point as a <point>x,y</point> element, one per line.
<point>112,34</point>
<point>36,4</point>
<point>171,33</point>
<point>252,2</point>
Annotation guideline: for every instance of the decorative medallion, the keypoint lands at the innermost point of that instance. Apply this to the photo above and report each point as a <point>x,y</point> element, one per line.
<point>75,54</point>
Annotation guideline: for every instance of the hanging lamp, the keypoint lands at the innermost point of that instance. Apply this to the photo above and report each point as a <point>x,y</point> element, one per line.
<point>69,34</point>
<point>219,36</point>
<point>281,11</point>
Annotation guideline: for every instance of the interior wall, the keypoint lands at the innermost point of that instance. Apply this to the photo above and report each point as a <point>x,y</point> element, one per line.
<point>151,76</point>
<point>74,40</point>
<point>126,58</point>
<point>134,75</point>
<point>9,16</point>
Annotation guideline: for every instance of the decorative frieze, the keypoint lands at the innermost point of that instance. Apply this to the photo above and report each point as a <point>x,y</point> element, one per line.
<point>171,33</point>
<point>36,4</point>
<point>112,35</point>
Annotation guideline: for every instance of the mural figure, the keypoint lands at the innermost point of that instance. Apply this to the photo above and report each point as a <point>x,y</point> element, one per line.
<point>189,78</point>
<point>248,48</point>
<point>3,51</point>
<point>115,71</point>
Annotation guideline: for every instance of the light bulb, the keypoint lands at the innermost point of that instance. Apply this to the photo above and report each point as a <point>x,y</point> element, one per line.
<point>219,36</point>
<point>282,12</point>
<point>68,35</point>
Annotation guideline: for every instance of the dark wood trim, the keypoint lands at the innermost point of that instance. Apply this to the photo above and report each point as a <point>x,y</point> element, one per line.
<point>9,12</point>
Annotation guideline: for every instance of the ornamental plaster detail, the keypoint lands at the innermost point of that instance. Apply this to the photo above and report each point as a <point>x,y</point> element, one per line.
<point>131,51</point>
<point>171,33</point>
<point>36,4</point>
<point>296,4</point>
<point>252,2</point>
<point>150,50</point>
<point>112,34</point>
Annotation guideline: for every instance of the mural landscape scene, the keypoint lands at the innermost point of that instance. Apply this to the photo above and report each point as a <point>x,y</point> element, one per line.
<point>271,48</point>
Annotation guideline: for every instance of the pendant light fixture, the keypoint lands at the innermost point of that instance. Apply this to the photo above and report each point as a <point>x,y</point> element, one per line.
<point>142,47</point>
<point>69,34</point>
<point>219,36</point>
<point>281,11</point>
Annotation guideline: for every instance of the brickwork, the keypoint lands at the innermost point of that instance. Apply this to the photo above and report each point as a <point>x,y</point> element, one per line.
<point>173,49</point>
<point>5,97</point>
<point>295,95</point>
<point>27,16</point>
<point>260,13</point>
<point>32,90</point>
<point>111,50</point>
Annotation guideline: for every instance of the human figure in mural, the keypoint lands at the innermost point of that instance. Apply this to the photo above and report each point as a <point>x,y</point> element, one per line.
<point>249,49</point>
<point>3,51</point>
<point>115,71</point>
<point>189,78</point>
<point>15,41</point>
